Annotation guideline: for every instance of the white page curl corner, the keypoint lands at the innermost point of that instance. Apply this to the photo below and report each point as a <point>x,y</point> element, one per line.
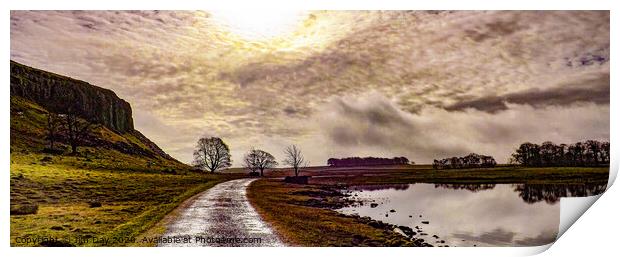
<point>572,208</point>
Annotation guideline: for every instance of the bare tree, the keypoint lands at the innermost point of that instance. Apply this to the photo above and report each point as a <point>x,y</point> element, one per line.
<point>76,130</point>
<point>212,154</point>
<point>53,128</point>
<point>294,158</point>
<point>260,160</point>
<point>250,161</point>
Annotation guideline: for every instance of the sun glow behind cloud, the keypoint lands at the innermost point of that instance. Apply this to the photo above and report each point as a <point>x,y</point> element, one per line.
<point>259,25</point>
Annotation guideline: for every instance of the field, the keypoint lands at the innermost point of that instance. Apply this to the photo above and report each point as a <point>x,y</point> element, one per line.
<point>425,174</point>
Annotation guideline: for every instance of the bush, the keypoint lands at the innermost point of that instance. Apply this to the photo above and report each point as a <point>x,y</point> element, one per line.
<point>24,209</point>
<point>94,204</point>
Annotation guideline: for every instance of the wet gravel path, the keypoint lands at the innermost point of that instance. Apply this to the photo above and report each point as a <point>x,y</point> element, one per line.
<point>221,216</point>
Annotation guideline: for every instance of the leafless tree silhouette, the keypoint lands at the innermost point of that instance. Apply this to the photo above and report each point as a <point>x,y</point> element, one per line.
<point>294,158</point>
<point>260,160</point>
<point>54,125</point>
<point>212,154</point>
<point>76,129</point>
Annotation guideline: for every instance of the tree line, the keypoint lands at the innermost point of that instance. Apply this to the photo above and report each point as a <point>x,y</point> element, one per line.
<point>590,153</point>
<point>471,160</point>
<point>366,161</point>
<point>212,154</point>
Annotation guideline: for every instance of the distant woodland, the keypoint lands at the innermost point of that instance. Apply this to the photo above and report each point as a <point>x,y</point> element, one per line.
<point>471,160</point>
<point>590,153</point>
<point>366,161</point>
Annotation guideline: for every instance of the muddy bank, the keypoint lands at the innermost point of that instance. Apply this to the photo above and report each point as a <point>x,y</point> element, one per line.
<point>338,196</point>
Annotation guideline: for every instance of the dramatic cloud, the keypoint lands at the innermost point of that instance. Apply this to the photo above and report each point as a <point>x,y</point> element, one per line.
<point>374,124</point>
<point>595,90</point>
<point>439,79</point>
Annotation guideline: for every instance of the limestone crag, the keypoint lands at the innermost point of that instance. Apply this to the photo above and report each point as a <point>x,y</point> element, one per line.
<point>59,94</point>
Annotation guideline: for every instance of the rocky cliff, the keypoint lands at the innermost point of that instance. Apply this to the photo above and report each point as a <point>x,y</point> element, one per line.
<point>60,94</point>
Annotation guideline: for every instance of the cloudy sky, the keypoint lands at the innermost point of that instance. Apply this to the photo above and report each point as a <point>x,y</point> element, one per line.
<point>418,84</point>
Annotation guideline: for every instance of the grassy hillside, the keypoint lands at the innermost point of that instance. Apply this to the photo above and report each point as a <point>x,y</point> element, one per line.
<point>103,148</point>
<point>116,187</point>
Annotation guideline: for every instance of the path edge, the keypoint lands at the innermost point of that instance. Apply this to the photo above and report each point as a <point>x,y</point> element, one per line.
<point>285,241</point>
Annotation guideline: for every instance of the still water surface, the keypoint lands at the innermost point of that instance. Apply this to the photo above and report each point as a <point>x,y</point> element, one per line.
<point>470,214</point>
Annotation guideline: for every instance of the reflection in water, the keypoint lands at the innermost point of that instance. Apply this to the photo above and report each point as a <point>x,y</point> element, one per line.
<point>530,193</point>
<point>470,187</point>
<point>552,193</point>
<point>471,214</point>
<point>380,187</point>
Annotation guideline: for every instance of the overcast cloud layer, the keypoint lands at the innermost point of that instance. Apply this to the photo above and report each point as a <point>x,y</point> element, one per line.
<point>419,84</point>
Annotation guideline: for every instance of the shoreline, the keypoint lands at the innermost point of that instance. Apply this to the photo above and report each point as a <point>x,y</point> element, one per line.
<point>306,216</point>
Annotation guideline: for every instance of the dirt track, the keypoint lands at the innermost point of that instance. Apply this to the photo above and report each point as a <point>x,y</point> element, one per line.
<point>221,216</point>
